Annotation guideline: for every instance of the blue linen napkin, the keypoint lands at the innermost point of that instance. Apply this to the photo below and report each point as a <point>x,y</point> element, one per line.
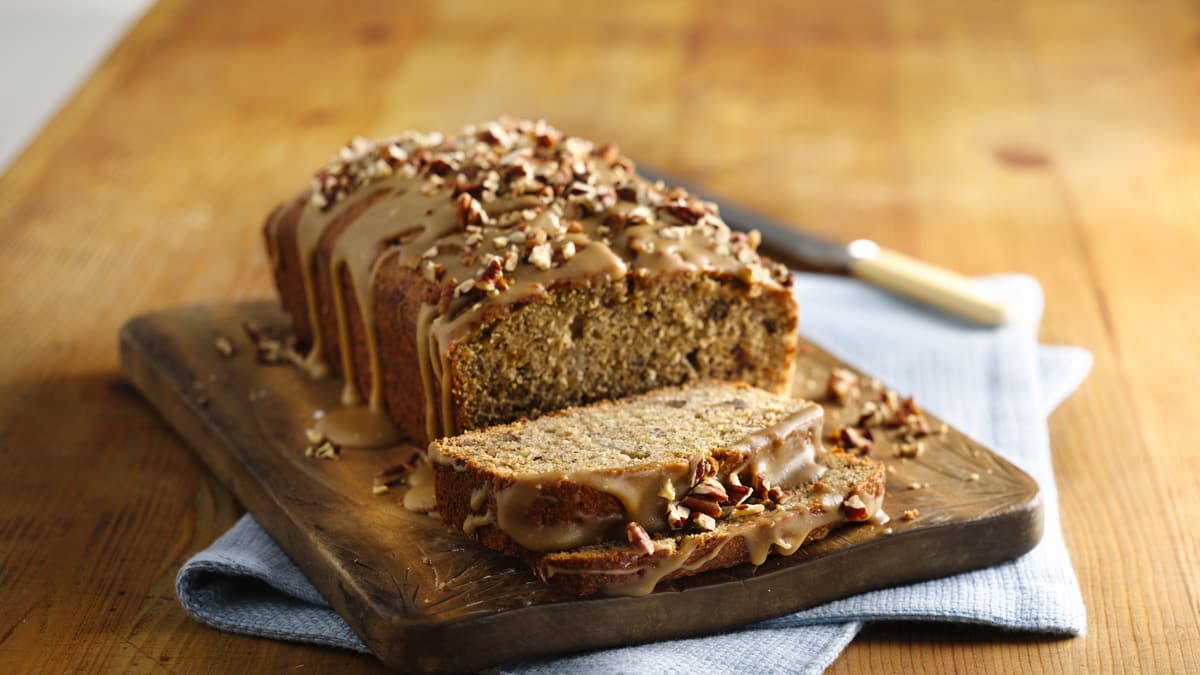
<point>996,385</point>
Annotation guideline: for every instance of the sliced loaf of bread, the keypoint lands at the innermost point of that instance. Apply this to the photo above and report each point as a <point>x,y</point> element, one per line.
<point>667,460</point>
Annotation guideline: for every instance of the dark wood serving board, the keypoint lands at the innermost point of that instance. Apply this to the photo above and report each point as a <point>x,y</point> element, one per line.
<point>423,597</point>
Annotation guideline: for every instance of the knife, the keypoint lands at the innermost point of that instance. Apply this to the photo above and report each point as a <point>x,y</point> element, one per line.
<point>862,258</point>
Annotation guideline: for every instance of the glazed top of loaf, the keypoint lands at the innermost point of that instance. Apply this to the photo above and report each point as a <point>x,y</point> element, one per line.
<point>500,214</point>
<point>511,205</point>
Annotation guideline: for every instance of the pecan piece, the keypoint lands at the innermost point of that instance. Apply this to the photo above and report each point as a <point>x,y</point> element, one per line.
<point>710,488</point>
<point>492,277</point>
<point>842,385</point>
<point>747,510</point>
<point>702,505</point>
<point>628,192</point>
<point>915,426</point>
<point>224,346</point>
<point>778,494</point>
<point>470,211</point>
<point>855,509</point>
<point>687,213</point>
<point>542,256</point>
<point>640,539</point>
<point>326,450</point>
<point>677,516</point>
<point>871,414</point>
<point>705,468</point>
<point>859,440</point>
<point>739,494</point>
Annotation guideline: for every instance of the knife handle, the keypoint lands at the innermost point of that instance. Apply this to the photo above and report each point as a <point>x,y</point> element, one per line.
<point>927,283</point>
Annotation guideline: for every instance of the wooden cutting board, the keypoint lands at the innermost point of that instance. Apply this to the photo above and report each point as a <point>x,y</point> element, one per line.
<point>424,597</point>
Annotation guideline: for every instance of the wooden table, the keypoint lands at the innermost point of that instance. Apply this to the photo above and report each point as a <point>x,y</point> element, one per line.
<point>1057,139</point>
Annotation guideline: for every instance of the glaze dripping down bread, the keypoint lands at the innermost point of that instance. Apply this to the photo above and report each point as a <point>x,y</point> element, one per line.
<point>617,496</point>
<point>456,282</point>
<point>851,490</point>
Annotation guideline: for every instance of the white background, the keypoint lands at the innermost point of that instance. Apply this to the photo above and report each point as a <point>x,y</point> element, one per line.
<point>47,49</point>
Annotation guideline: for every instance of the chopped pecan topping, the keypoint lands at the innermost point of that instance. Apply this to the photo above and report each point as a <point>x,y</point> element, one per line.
<point>505,176</point>
<point>492,278</point>
<point>608,153</point>
<point>778,495</point>
<point>640,539</point>
<point>704,521</point>
<point>853,438</point>
<point>628,193</point>
<point>739,494</point>
<point>702,505</point>
<point>223,346</point>
<point>470,211</point>
<point>842,385</point>
<point>705,468</point>
<point>399,471</point>
<point>870,415</point>
<point>326,450</point>
<point>710,488</point>
<point>741,510</point>
<point>677,516</point>
<point>855,509</point>
<point>542,256</point>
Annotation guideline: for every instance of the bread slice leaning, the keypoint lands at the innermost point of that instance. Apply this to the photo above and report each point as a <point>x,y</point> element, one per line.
<point>851,490</point>
<point>661,459</point>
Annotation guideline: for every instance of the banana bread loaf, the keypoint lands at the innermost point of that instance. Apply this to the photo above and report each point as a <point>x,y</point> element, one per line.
<point>459,282</point>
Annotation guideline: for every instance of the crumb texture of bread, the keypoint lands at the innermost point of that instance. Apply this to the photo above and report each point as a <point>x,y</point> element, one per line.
<point>670,425</point>
<point>456,282</point>
<point>617,338</point>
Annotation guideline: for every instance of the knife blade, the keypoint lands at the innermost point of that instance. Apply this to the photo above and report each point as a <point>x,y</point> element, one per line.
<point>862,258</point>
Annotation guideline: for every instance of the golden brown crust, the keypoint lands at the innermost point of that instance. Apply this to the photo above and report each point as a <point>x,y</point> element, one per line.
<point>732,552</point>
<point>399,294</point>
<point>282,223</point>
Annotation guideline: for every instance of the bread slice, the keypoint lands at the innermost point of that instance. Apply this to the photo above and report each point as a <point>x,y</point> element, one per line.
<point>852,489</point>
<point>581,475</point>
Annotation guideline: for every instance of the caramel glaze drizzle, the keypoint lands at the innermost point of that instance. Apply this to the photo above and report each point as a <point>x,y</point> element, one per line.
<point>781,531</point>
<point>500,214</point>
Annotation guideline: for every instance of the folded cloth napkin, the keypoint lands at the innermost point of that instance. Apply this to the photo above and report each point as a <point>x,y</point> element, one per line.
<point>997,385</point>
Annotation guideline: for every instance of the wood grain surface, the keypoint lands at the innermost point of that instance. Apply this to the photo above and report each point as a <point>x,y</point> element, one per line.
<point>415,590</point>
<point>1061,139</point>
